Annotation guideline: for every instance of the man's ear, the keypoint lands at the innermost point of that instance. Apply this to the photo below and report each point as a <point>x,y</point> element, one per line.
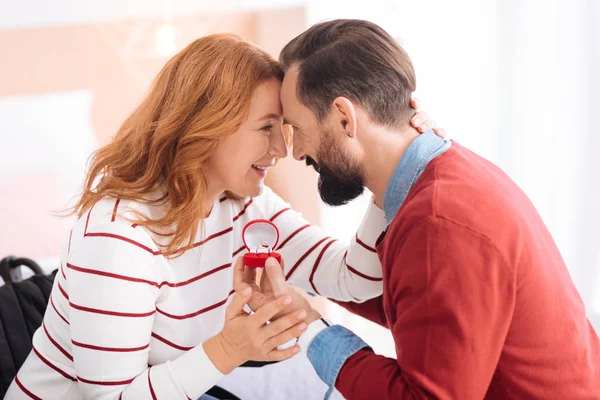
<point>344,117</point>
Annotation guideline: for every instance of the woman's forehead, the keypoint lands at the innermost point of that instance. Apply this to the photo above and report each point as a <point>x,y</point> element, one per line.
<point>265,102</point>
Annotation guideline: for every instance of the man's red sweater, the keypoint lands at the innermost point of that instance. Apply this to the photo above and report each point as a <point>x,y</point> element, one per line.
<point>476,295</point>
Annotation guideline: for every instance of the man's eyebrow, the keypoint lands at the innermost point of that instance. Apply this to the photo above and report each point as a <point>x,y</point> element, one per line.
<point>269,116</point>
<point>288,122</point>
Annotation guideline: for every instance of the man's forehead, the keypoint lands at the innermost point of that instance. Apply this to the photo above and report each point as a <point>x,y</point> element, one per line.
<point>289,81</point>
<point>288,95</point>
<point>292,71</point>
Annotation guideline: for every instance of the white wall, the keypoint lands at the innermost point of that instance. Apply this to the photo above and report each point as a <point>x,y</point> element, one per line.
<point>37,13</point>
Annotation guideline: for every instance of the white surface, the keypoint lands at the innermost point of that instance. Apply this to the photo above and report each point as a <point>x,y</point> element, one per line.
<point>293,379</point>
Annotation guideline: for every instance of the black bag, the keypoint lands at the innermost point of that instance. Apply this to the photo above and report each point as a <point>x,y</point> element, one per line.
<point>22,307</point>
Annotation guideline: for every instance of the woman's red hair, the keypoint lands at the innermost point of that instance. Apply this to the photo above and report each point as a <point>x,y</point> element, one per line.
<point>201,96</point>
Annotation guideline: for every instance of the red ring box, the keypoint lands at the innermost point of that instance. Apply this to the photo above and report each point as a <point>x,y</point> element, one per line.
<point>260,237</point>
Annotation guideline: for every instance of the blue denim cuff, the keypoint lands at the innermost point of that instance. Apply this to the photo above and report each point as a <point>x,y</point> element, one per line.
<point>329,351</point>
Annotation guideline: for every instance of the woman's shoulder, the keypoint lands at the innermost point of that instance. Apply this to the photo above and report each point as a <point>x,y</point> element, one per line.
<point>112,217</point>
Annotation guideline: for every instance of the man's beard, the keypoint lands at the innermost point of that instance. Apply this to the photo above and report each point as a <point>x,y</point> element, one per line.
<point>341,179</point>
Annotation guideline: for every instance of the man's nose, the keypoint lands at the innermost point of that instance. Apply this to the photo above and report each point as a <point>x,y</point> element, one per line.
<point>299,154</point>
<point>298,150</point>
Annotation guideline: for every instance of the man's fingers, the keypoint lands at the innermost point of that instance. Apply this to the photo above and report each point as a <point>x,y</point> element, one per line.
<point>238,275</point>
<point>240,299</point>
<point>441,132</point>
<point>242,275</point>
<point>240,288</point>
<point>414,103</point>
<point>264,279</point>
<point>250,275</point>
<point>276,277</point>
<point>425,126</point>
<point>418,119</point>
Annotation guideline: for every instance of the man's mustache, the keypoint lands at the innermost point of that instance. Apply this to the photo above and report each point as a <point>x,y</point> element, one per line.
<point>311,162</point>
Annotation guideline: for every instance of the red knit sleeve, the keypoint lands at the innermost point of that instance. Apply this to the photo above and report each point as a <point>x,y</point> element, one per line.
<point>453,297</point>
<point>370,309</point>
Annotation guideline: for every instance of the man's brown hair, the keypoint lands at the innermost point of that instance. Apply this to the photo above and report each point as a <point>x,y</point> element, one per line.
<point>354,59</point>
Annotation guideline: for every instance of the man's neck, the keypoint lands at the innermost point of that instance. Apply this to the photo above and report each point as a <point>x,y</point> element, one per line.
<point>384,149</point>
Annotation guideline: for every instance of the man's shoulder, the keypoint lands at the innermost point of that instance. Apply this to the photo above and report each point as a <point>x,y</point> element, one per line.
<point>466,189</point>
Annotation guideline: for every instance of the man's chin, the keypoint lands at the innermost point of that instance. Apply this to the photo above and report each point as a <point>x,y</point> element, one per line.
<point>337,202</point>
<point>343,196</point>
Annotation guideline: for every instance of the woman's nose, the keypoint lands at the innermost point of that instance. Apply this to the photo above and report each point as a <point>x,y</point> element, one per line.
<point>277,145</point>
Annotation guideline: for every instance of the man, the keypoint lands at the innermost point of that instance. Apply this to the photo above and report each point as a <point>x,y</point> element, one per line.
<point>476,294</point>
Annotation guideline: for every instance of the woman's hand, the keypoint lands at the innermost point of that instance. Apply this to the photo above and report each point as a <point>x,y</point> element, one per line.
<point>248,337</point>
<point>421,120</point>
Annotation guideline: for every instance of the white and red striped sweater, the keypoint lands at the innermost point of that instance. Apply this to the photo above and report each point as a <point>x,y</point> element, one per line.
<point>126,322</point>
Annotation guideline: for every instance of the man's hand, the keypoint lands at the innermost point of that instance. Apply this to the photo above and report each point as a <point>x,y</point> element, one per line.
<point>244,277</point>
<point>272,286</point>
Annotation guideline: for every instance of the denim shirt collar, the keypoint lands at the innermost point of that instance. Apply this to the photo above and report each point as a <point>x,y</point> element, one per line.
<point>412,164</point>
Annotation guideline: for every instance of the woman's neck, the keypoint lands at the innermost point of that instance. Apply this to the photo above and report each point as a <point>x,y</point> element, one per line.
<point>210,198</point>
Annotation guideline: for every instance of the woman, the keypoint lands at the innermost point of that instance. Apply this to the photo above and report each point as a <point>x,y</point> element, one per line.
<point>138,309</point>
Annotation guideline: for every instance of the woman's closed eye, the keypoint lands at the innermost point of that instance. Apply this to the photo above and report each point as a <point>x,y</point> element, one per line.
<point>267,129</point>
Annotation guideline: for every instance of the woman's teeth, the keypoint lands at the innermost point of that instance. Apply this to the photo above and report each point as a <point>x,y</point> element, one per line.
<point>260,168</point>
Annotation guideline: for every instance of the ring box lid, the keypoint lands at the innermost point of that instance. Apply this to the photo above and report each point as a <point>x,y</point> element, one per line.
<point>260,237</point>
